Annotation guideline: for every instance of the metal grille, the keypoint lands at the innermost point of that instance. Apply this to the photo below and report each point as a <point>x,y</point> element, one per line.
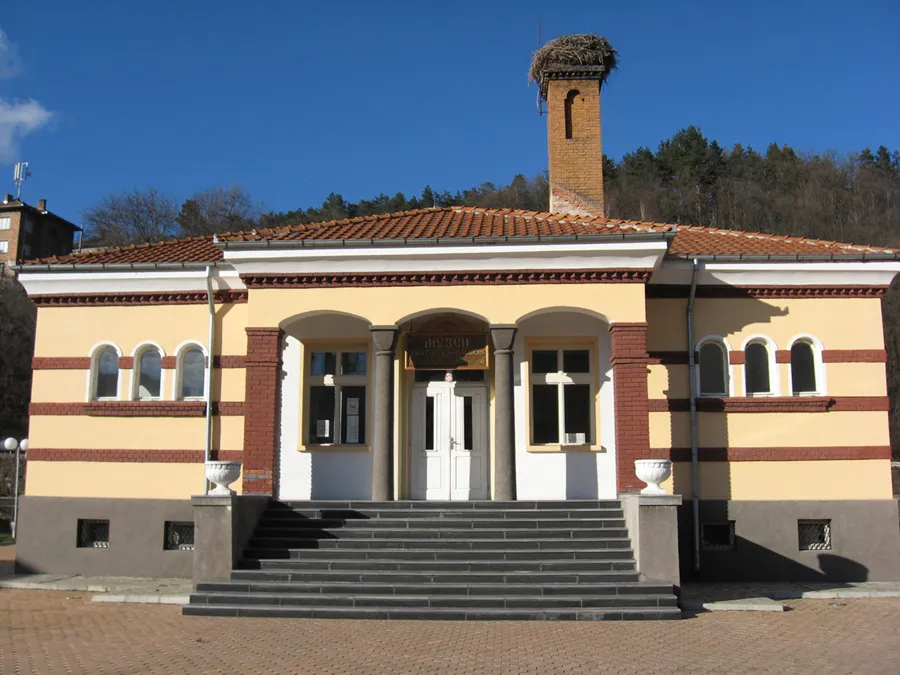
<point>179,536</point>
<point>93,533</point>
<point>717,536</point>
<point>814,535</point>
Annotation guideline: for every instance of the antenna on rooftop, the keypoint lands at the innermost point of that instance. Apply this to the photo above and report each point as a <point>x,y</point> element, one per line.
<point>21,173</point>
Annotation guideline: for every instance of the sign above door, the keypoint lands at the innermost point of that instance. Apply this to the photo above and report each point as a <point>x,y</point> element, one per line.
<point>446,352</point>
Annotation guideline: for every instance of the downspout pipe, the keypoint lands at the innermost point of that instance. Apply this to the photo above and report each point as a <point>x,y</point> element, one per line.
<point>210,350</point>
<point>692,374</point>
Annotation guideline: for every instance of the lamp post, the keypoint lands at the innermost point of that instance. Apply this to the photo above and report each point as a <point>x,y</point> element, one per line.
<point>19,446</point>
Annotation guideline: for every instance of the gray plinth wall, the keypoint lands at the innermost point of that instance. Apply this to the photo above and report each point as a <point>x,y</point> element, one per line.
<point>223,525</point>
<point>652,522</point>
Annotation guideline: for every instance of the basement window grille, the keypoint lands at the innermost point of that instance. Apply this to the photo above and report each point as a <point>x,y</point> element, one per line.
<point>814,535</point>
<point>179,536</point>
<point>93,533</point>
<point>717,536</point>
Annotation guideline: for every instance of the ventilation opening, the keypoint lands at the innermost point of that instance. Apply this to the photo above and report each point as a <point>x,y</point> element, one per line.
<point>814,535</point>
<point>179,536</point>
<point>717,536</point>
<point>93,533</point>
<point>571,97</point>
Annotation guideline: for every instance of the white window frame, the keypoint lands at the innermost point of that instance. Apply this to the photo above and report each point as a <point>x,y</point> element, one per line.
<point>94,372</point>
<point>337,382</point>
<point>180,351</point>
<point>560,378</point>
<point>4,246</point>
<point>136,354</point>
<point>774,378</point>
<point>729,374</point>
<point>5,222</point>
<point>818,366</point>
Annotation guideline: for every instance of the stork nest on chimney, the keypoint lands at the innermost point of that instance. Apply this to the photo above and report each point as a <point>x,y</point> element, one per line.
<point>587,51</point>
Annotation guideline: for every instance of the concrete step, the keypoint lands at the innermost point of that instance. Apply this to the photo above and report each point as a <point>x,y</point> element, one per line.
<point>440,566</point>
<point>428,524</point>
<point>405,505</point>
<point>439,533</point>
<point>435,577</point>
<point>509,554</point>
<point>311,544</point>
<point>301,514</point>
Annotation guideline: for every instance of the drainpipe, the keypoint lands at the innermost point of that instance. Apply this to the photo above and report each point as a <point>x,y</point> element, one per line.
<point>209,372</point>
<point>695,460</point>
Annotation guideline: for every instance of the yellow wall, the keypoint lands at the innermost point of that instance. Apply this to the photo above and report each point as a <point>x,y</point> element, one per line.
<point>840,323</point>
<point>135,433</point>
<point>497,304</point>
<point>115,480</point>
<point>816,480</point>
<point>753,430</point>
<point>60,386</point>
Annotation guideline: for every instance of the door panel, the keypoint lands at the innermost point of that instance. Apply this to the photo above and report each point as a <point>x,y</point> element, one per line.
<point>470,440</point>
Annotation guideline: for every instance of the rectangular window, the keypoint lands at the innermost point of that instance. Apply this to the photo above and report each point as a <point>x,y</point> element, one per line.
<point>4,246</point>
<point>717,536</point>
<point>336,396</point>
<point>179,536</point>
<point>5,222</point>
<point>814,535</point>
<point>93,533</point>
<point>562,396</point>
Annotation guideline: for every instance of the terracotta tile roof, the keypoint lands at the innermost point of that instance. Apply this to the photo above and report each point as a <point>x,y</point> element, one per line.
<point>461,222</point>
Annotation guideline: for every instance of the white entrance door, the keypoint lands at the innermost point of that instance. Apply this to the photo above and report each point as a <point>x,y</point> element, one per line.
<point>449,441</point>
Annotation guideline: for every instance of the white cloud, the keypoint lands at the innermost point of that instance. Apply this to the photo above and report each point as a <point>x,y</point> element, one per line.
<point>9,57</point>
<point>17,120</point>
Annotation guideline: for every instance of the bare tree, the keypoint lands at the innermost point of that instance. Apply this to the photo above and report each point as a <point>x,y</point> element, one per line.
<point>216,210</point>
<point>17,322</point>
<point>134,217</point>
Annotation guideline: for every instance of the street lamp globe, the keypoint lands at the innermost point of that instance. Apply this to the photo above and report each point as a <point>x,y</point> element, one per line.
<point>10,444</point>
<point>23,445</point>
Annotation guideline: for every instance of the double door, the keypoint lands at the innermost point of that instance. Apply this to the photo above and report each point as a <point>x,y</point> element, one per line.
<point>449,441</point>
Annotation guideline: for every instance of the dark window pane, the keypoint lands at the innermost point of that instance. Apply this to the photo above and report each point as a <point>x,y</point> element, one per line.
<point>543,361</point>
<point>353,410</point>
<point>803,368</point>
<point>353,363</point>
<point>756,369</point>
<point>108,374</point>
<point>712,369</point>
<point>545,413</point>
<point>321,414</point>
<point>468,423</point>
<point>193,365</point>
<point>576,361</point>
<point>429,422</point>
<point>322,363</point>
<point>468,376</point>
<point>150,370</point>
<point>577,410</point>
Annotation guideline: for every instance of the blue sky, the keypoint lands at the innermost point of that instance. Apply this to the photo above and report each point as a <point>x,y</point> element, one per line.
<point>294,100</point>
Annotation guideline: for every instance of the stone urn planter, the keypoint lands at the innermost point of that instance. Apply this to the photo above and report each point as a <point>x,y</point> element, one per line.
<point>653,472</point>
<point>222,474</point>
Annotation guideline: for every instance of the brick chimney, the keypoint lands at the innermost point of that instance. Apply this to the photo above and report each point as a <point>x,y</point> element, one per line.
<point>42,205</point>
<point>574,140</point>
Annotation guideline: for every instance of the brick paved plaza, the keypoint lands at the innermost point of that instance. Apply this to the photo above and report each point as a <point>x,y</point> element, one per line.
<point>58,632</point>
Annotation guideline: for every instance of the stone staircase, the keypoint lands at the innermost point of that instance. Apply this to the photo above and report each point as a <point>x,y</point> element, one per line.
<point>566,560</point>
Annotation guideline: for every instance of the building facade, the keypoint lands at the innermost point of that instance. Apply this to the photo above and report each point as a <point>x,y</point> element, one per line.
<point>469,354</point>
<point>28,232</point>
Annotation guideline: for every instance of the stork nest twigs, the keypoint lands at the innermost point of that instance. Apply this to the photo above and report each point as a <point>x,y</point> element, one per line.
<point>586,50</point>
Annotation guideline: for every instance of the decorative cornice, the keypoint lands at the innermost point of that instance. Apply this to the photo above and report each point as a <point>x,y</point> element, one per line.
<point>602,276</point>
<point>657,291</point>
<point>777,454</point>
<point>136,408</point>
<point>139,299</point>
<point>768,404</point>
<point>130,456</point>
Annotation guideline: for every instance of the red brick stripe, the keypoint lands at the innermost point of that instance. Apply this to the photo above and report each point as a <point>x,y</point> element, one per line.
<point>61,363</point>
<point>137,408</point>
<point>126,362</point>
<point>130,299</point>
<point>854,356</point>
<point>229,361</point>
<point>447,278</point>
<point>669,358</point>
<point>682,291</point>
<point>774,404</point>
<point>629,360</point>
<point>798,454</point>
<point>128,456</point>
<point>736,357</point>
<point>782,356</point>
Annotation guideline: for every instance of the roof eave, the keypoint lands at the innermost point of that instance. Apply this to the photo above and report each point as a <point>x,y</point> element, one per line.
<point>113,267</point>
<point>794,257</point>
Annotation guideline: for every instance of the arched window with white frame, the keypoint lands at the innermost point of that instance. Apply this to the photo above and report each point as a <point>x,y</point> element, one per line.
<point>103,383</point>
<point>714,375</point>
<point>147,373</point>
<point>807,371</point>
<point>760,371</point>
<point>190,371</point>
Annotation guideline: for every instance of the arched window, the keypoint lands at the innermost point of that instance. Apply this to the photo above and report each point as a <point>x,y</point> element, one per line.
<point>807,371</point>
<point>713,369</point>
<point>105,369</point>
<point>757,369</point>
<point>148,374</point>
<point>191,373</point>
<point>571,99</point>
